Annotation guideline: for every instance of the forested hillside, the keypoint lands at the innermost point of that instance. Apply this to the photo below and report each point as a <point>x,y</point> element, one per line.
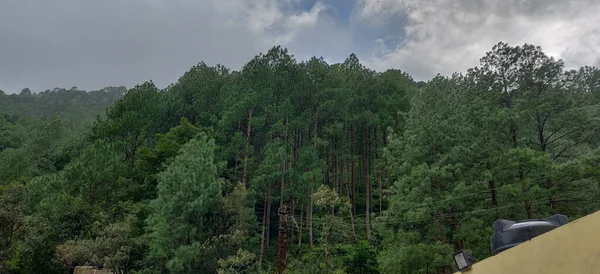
<point>354,171</point>
<point>76,108</point>
<point>40,133</point>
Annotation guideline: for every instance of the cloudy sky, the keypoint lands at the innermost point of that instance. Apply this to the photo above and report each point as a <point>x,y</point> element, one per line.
<point>92,44</point>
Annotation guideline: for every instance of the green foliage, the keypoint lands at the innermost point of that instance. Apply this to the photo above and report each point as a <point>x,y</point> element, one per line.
<point>359,258</point>
<point>379,173</point>
<point>12,226</point>
<point>153,160</point>
<point>409,255</point>
<point>76,108</point>
<point>187,192</point>
<point>238,263</point>
<point>111,249</point>
<point>484,146</point>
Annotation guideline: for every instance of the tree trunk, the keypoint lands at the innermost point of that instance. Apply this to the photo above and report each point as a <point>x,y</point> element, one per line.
<point>293,211</point>
<point>309,217</point>
<point>330,156</point>
<point>351,212</point>
<point>387,182</point>
<point>328,165</point>
<point>283,169</point>
<point>268,225</point>
<point>552,201</point>
<point>264,229</point>
<point>326,246</point>
<point>282,249</point>
<point>513,135</point>
<point>443,237</point>
<point>341,176</point>
<point>353,163</point>
<point>315,131</point>
<point>367,177</point>
<point>492,187</point>
<point>527,202</point>
<point>282,185</point>
<point>379,175</point>
<point>541,123</point>
<point>300,230</point>
<point>335,168</point>
<point>378,172</point>
<point>454,225</point>
<point>248,132</point>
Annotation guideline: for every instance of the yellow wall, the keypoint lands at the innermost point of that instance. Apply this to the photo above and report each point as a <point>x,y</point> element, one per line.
<point>570,249</point>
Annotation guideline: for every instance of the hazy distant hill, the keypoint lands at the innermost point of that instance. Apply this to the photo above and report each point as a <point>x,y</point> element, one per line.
<point>76,108</point>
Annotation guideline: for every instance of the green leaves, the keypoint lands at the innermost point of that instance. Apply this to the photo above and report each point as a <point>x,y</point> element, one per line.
<point>188,190</point>
<point>492,144</point>
<point>239,263</point>
<point>133,121</point>
<point>12,227</point>
<point>178,180</point>
<point>111,249</point>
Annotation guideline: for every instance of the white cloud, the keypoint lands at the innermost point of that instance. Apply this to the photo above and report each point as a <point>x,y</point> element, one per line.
<point>92,44</point>
<point>444,36</point>
<point>298,22</point>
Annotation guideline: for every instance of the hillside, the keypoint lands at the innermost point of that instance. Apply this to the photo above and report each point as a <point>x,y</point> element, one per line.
<point>75,107</point>
<point>378,173</point>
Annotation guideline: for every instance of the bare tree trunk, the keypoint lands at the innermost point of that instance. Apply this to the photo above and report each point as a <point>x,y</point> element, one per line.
<point>442,231</point>
<point>492,187</point>
<point>268,225</point>
<point>248,132</point>
<point>379,175</point>
<point>353,187</point>
<point>513,135</point>
<point>326,246</point>
<point>552,201</point>
<point>352,176</point>
<point>300,230</point>
<point>458,244</point>
<point>292,212</point>
<point>309,217</point>
<point>282,185</point>
<point>368,185</point>
<point>341,176</point>
<point>283,169</point>
<point>387,182</point>
<point>447,269</point>
<point>523,189</point>
<point>378,171</point>
<point>310,191</point>
<point>315,131</point>
<point>335,168</point>
<point>264,229</point>
<point>351,213</point>
<point>329,169</point>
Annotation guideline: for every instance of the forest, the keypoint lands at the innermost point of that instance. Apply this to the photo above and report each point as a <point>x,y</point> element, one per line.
<point>351,170</point>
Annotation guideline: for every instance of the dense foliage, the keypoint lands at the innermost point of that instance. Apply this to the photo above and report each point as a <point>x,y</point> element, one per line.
<point>76,108</point>
<point>380,174</point>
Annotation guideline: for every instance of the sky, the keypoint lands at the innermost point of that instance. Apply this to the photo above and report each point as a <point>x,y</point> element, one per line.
<point>92,44</point>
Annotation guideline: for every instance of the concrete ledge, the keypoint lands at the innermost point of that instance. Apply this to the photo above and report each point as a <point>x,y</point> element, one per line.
<point>573,248</point>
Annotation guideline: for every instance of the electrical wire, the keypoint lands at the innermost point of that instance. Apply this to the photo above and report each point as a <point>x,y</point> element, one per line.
<point>482,192</point>
<point>430,219</point>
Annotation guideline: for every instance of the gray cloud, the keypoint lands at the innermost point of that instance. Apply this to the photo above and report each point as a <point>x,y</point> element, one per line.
<point>444,36</point>
<point>92,44</point>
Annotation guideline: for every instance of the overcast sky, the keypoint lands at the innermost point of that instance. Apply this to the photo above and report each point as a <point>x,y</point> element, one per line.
<point>92,44</point>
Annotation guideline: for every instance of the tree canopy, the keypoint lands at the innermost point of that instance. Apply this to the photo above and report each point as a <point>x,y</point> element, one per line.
<point>378,173</point>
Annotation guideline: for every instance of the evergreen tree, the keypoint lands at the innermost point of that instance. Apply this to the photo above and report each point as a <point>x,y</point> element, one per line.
<point>187,192</point>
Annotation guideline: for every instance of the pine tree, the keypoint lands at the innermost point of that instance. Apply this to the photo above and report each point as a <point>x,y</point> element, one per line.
<point>187,192</point>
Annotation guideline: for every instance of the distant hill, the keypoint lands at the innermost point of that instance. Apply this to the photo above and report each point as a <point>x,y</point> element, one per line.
<point>76,108</point>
